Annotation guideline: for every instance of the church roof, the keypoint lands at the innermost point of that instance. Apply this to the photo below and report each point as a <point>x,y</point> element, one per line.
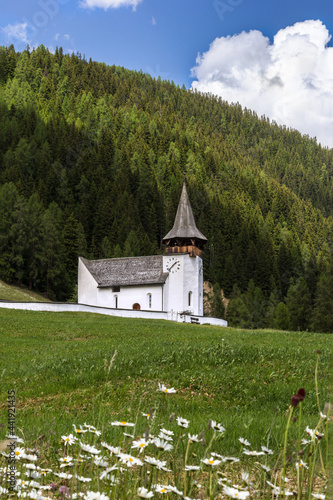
<point>184,225</point>
<point>127,271</point>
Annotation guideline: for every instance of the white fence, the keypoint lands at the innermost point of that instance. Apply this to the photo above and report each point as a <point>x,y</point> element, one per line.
<point>124,313</point>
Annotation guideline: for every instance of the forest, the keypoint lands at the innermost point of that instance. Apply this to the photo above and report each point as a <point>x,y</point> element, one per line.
<point>92,159</point>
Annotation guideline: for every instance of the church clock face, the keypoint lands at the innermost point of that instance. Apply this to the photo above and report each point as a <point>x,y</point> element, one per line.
<point>173,264</point>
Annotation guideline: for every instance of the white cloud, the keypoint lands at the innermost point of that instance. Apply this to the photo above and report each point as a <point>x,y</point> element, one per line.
<point>67,37</point>
<point>18,31</point>
<point>153,21</point>
<point>109,4</point>
<point>289,80</point>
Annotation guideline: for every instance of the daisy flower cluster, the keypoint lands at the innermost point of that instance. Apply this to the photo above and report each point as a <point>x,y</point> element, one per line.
<point>168,459</point>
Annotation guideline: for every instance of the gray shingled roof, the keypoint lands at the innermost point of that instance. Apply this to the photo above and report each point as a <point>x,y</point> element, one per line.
<point>184,225</point>
<point>127,271</point>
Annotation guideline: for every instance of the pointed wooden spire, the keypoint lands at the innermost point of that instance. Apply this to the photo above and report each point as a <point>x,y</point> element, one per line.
<point>184,232</point>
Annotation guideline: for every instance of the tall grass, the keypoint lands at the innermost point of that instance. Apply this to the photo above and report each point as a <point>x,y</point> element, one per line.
<point>60,366</point>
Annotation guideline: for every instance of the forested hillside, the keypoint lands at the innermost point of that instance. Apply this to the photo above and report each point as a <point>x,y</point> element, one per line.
<point>91,163</point>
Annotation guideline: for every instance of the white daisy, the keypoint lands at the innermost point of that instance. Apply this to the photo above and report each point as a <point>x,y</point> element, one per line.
<point>70,439</point>
<point>92,495</point>
<point>164,445</point>
<point>84,479</point>
<point>191,468</point>
<point>182,422</point>
<point>122,424</point>
<point>234,493</point>
<point>144,493</point>
<point>217,427</point>
<point>244,442</point>
<point>194,438</point>
<point>89,449</point>
<point>253,453</point>
<point>162,388</point>
<point>267,450</point>
<point>211,461</point>
<point>79,430</point>
<point>140,444</point>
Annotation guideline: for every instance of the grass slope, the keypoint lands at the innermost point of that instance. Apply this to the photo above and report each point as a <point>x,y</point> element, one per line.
<point>58,362</point>
<point>17,294</point>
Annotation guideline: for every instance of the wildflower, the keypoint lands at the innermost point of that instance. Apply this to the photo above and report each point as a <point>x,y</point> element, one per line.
<point>65,460</point>
<point>140,444</point>
<point>90,427</point>
<point>84,479</point>
<point>245,477</point>
<point>64,491</point>
<point>182,422</point>
<point>297,398</point>
<point>161,489</point>
<point>267,450</point>
<point>148,416</point>
<point>194,438</point>
<point>115,450</point>
<point>266,469</point>
<point>70,439</point>
<point>79,430</point>
<point>320,496</point>
<point>129,460</point>
<point>89,449</point>
<point>210,461</point>
<point>32,458</point>
<point>123,424</point>
<point>164,445</point>
<point>168,433</point>
<point>63,475</point>
<point>164,436</point>
<point>217,427</point>
<point>253,453</point>
<point>19,453</point>
<point>301,464</point>
<point>144,493</point>
<point>110,477</point>
<point>162,388</point>
<point>173,489</point>
<point>100,462</point>
<point>128,435</point>
<point>324,417</point>
<point>244,442</point>
<point>234,493</point>
<point>191,468</point>
<point>91,495</point>
<point>155,462</point>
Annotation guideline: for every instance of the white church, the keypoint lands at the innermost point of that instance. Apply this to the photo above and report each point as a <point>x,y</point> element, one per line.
<point>168,286</point>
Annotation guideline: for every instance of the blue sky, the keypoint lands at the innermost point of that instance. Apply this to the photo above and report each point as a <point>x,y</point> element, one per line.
<point>165,37</point>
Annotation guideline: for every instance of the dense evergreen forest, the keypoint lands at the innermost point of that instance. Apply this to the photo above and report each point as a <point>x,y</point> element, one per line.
<point>91,163</point>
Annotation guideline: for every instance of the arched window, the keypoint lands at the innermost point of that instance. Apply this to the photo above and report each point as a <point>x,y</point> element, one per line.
<point>149,300</point>
<point>189,299</point>
<point>115,301</point>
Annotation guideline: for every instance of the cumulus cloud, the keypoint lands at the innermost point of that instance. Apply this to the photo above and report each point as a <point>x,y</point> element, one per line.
<point>289,80</point>
<point>110,4</point>
<point>18,31</point>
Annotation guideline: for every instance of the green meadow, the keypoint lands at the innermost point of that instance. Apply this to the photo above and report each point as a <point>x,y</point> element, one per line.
<point>59,365</point>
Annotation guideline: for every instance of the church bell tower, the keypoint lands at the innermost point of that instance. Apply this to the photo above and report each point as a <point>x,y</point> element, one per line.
<point>185,237</point>
<point>183,261</point>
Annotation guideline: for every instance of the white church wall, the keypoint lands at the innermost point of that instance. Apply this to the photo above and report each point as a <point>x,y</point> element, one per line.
<point>90,294</point>
<point>193,284</point>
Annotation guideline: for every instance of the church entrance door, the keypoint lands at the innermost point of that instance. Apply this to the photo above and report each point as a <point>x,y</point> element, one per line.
<point>136,307</point>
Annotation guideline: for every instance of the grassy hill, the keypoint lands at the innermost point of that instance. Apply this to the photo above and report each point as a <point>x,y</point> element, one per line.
<point>10,292</point>
<point>80,368</point>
